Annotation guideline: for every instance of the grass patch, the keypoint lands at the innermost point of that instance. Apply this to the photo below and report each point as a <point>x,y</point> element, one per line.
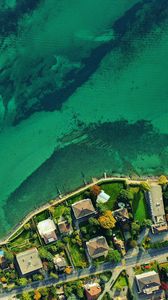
<point>58,212</point>
<point>76,198</point>
<point>78,255</point>
<point>152,266</point>
<point>139,205</point>
<point>112,189</point>
<point>23,242</point>
<point>121,282</point>
<point>42,216</point>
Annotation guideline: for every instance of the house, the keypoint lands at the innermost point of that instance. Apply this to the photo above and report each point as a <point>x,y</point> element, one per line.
<point>119,244</point>
<point>102,197</point>
<point>29,261</point>
<point>83,208</point>
<point>155,202</point>
<point>59,262</point>
<point>47,230</point>
<point>121,215</point>
<point>92,290</point>
<point>97,247</point>
<point>64,227</point>
<point>148,283</point>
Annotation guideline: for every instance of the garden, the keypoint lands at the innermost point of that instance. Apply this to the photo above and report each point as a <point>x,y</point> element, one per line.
<point>121,281</point>
<point>139,206</point>
<point>152,266</point>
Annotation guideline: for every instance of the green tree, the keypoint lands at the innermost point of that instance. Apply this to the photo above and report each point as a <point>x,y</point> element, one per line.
<point>93,221</point>
<point>114,255</point>
<point>52,290</point>
<point>26,296</point>
<point>60,245</point>
<point>125,195</point>
<point>147,223</point>
<point>163,180</point>
<point>45,254</point>
<point>133,243</point>
<point>27,226</point>
<point>165,195</point>
<point>101,207</point>
<point>80,292</point>
<point>44,291</point>
<point>23,281</point>
<point>103,278</point>
<point>144,186</point>
<point>135,228</point>
<point>9,255</point>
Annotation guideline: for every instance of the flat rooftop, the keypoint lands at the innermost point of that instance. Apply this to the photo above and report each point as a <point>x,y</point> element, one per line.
<point>29,261</point>
<point>157,200</point>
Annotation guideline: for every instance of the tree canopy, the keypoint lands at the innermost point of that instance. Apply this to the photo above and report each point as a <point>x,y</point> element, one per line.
<point>107,220</point>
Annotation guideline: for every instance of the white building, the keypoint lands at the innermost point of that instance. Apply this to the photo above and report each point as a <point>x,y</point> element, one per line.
<point>47,230</point>
<point>102,197</point>
<point>156,206</point>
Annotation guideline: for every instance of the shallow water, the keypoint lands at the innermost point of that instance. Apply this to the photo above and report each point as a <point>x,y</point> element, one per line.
<point>88,95</point>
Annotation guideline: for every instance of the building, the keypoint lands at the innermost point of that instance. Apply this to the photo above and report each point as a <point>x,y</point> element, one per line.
<point>92,291</point>
<point>47,230</point>
<point>64,227</point>
<point>119,244</point>
<point>29,261</point>
<point>155,202</point>
<point>102,197</point>
<point>121,215</point>
<point>148,283</point>
<point>59,262</point>
<point>97,247</point>
<point>83,208</point>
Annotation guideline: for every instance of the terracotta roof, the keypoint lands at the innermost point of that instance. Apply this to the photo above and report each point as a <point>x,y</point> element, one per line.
<point>97,246</point>
<point>64,227</point>
<point>83,208</point>
<point>93,289</point>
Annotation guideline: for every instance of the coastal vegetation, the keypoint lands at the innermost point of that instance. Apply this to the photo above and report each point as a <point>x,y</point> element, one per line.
<point>72,246</point>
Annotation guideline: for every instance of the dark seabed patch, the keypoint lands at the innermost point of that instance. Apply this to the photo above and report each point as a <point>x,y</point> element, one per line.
<point>52,91</point>
<point>136,23</point>
<point>112,147</point>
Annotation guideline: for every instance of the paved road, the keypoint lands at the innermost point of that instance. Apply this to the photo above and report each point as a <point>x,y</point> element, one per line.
<point>130,261</point>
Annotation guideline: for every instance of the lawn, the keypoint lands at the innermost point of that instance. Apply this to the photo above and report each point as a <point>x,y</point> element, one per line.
<point>139,205</point>
<point>42,216</point>
<point>78,255</point>
<point>58,212</point>
<point>77,198</point>
<point>121,282</point>
<point>112,189</point>
<point>23,242</point>
<point>152,266</point>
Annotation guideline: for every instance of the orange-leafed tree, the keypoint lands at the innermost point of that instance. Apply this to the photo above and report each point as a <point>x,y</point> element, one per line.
<point>107,220</point>
<point>68,270</point>
<point>95,190</point>
<point>37,295</point>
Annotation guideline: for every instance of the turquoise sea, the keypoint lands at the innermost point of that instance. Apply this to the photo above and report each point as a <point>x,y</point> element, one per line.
<point>83,90</point>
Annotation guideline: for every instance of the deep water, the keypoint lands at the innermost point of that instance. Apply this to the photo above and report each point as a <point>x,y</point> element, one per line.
<point>83,90</point>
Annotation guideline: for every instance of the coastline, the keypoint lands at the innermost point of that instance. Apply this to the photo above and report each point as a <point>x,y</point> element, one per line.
<point>61,199</point>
